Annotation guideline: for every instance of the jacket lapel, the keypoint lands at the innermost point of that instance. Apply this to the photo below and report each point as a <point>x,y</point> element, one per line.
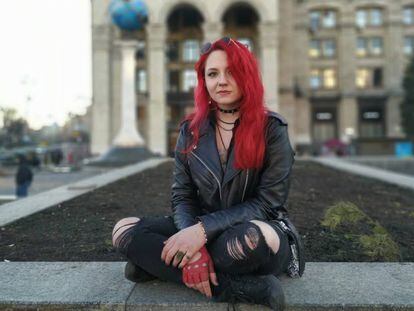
<point>206,149</point>
<point>230,172</point>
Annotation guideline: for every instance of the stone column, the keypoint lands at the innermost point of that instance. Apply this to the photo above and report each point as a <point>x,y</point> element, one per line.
<point>348,108</point>
<point>394,70</point>
<point>102,91</point>
<point>301,69</point>
<point>128,135</point>
<point>268,42</point>
<point>212,31</point>
<point>157,127</point>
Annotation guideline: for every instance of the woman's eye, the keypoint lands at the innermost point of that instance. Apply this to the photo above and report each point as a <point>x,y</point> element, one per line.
<point>212,74</point>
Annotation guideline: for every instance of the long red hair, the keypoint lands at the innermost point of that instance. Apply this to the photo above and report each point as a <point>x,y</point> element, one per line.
<point>249,136</point>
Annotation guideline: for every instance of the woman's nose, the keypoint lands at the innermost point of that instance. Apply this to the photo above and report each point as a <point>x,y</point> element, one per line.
<point>222,79</point>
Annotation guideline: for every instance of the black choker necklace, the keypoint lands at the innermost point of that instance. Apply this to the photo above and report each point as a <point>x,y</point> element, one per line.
<point>228,111</point>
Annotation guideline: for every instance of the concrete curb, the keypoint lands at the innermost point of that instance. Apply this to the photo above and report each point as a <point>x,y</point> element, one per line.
<point>12,211</point>
<point>368,171</point>
<point>101,286</point>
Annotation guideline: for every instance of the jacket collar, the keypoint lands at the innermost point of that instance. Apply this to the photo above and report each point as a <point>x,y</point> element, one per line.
<point>207,150</point>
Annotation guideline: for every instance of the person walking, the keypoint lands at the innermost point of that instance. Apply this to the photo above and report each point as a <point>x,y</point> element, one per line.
<point>23,178</point>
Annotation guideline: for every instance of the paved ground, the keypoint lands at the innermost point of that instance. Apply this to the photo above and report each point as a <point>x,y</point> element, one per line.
<point>46,179</point>
<point>389,176</point>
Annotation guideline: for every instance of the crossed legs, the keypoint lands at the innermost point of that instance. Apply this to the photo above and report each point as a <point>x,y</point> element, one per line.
<point>242,248</point>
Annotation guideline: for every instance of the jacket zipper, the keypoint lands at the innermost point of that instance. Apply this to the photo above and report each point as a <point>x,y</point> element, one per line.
<point>218,181</point>
<point>245,185</point>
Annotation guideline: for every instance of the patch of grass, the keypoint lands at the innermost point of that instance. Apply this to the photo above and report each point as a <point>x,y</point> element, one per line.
<point>347,221</point>
<point>380,247</point>
<point>411,214</point>
<point>340,213</point>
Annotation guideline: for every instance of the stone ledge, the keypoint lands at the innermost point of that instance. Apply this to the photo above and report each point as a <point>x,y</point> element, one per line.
<point>101,286</point>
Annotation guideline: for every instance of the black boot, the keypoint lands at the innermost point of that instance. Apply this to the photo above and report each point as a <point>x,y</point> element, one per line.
<point>136,274</point>
<point>265,290</point>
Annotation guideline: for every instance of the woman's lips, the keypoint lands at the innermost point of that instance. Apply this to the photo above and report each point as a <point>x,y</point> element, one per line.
<point>224,92</point>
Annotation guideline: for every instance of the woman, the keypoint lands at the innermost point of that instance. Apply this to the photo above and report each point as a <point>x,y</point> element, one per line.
<point>229,235</point>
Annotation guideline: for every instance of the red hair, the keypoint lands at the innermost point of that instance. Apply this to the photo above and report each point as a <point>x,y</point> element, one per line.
<point>249,136</point>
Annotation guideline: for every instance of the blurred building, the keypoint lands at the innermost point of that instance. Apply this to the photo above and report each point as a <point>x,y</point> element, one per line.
<point>332,68</point>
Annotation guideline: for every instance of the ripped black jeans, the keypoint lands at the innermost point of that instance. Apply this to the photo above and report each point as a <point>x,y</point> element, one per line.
<point>230,252</point>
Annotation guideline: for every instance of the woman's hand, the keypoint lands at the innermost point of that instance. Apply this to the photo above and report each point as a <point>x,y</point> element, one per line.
<point>198,273</point>
<point>183,245</point>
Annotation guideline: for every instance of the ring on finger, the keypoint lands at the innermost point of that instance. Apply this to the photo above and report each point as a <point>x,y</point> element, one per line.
<point>179,255</point>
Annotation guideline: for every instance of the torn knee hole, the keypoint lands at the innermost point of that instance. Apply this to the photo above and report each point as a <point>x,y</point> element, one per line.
<point>235,249</point>
<point>252,238</point>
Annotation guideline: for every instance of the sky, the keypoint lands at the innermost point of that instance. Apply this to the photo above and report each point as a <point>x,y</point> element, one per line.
<point>45,58</point>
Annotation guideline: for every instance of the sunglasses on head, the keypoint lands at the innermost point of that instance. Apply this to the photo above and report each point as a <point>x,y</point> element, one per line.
<point>207,46</point>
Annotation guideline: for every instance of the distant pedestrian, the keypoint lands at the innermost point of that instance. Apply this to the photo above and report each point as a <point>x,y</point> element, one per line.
<point>57,156</point>
<point>24,177</point>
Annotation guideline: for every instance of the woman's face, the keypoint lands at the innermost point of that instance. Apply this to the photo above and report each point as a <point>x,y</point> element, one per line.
<point>220,84</point>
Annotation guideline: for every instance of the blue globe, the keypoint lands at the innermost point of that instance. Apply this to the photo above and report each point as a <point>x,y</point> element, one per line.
<point>128,14</point>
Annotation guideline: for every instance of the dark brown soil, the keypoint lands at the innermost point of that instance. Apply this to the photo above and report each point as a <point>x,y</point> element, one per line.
<point>80,229</point>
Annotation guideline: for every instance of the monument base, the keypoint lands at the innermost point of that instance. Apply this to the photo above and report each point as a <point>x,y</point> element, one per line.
<point>121,156</point>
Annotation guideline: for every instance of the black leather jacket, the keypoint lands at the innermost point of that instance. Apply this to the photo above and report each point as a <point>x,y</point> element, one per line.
<point>202,192</point>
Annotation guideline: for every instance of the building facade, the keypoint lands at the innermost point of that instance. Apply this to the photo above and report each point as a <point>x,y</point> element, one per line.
<point>332,68</point>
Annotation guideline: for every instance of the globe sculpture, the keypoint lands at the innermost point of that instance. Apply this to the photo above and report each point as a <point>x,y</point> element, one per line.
<point>128,14</point>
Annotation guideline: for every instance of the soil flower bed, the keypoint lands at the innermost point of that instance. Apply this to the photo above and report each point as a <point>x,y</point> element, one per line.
<point>341,217</point>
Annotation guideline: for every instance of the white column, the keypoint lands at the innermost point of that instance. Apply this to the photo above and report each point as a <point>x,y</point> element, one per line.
<point>101,105</point>
<point>157,127</point>
<point>269,62</point>
<point>128,135</point>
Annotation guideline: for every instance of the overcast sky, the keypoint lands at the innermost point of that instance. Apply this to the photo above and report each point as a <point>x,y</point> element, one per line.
<point>45,55</point>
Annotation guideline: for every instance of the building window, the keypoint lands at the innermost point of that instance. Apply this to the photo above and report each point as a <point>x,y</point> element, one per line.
<point>372,124</point>
<point>362,47</point>
<point>376,17</point>
<point>322,19</point>
<point>322,48</point>
<point>376,46</point>
<point>369,78</point>
<point>314,48</point>
<point>140,52</point>
<point>324,124</point>
<point>315,80</point>
<point>189,80</point>
<point>369,46</point>
<point>369,17</point>
<point>141,80</point>
<point>328,48</point>
<point>323,79</point>
<point>191,50</point>
<point>408,15</point>
<point>172,51</point>
<point>173,81</point>
<point>408,45</point>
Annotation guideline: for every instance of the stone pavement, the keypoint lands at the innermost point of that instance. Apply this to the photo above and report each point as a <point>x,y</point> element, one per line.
<point>398,179</point>
<point>101,286</point>
<point>46,179</point>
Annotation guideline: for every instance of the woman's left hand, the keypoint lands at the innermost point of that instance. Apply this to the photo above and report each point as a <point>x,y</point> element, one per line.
<point>183,245</point>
